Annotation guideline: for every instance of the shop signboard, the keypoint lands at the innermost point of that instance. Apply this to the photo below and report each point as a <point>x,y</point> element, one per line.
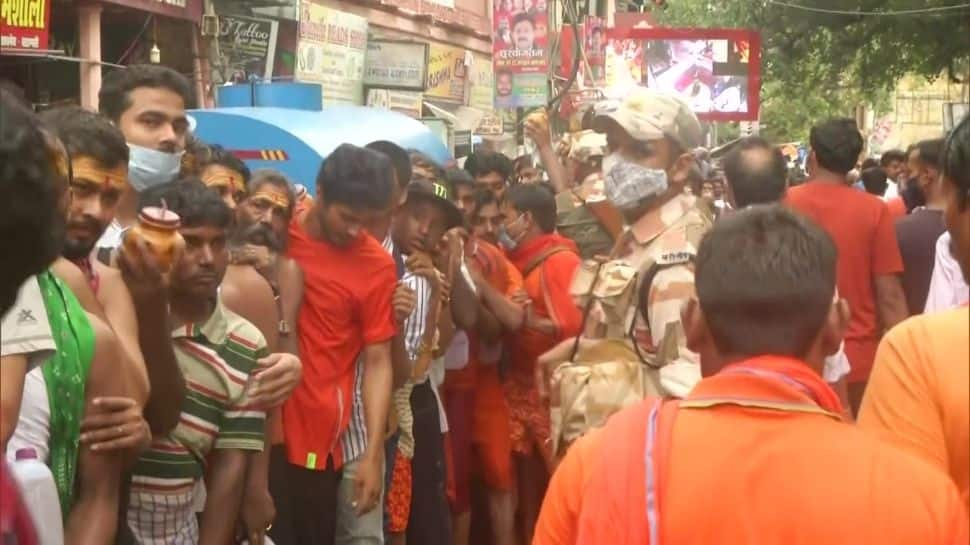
<point>180,9</point>
<point>482,89</point>
<point>519,52</point>
<point>408,103</point>
<point>331,49</point>
<point>490,125</point>
<point>25,24</point>
<point>396,64</point>
<point>247,46</point>
<point>446,73</point>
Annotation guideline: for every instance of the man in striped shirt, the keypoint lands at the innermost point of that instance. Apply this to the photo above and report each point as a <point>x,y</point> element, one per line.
<point>417,501</point>
<point>216,351</point>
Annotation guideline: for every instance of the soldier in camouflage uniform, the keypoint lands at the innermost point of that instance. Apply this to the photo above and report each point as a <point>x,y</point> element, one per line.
<point>577,217</point>
<point>650,136</point>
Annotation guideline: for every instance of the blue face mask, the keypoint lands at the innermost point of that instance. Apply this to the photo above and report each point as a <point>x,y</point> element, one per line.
<point>148,168</point>
<point>505,239</point>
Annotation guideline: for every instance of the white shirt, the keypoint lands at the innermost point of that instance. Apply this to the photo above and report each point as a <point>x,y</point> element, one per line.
<point>112,236</point>
<point>948,288</point>
<point>34,421</point>
<point>836,366</point>
<point>25,328</point>
<point>892,191</point>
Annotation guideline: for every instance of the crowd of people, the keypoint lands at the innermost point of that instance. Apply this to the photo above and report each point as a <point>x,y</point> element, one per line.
<point>624,342</point>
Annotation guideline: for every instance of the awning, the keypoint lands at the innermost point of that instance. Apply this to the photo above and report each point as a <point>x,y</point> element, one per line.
<point>461,118</point>
<point>52,55</point>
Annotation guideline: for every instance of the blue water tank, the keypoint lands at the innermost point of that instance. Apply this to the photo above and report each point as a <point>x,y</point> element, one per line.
<point>292,95</point>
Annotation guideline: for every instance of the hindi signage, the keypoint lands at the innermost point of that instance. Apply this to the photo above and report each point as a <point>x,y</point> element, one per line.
<point>331,49</point>
<point>396,64</point>
<point>25,24</point>
<point>481,92</point>
<point>408,103</point>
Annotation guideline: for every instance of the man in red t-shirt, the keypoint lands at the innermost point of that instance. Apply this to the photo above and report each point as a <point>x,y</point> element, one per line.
<point>348,283</point>
<point>862,227</point>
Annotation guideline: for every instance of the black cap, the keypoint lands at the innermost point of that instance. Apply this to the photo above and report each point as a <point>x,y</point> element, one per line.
<point>437,193</point>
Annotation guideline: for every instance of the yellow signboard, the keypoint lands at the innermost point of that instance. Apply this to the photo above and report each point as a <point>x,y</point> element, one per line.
<point>446,73</point>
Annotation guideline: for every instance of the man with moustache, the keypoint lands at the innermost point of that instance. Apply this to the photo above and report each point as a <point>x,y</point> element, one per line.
<point>99,167</point>
<point>220,428</point>
<point>266,287</point>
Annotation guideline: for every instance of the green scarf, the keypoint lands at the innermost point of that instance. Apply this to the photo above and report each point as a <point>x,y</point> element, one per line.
<point>65,374</point>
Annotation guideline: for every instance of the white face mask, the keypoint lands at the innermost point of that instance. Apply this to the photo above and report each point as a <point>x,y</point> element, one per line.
<point>148,168</point>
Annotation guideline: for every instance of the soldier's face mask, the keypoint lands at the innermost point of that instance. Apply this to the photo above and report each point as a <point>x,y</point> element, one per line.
<point>627,183</point>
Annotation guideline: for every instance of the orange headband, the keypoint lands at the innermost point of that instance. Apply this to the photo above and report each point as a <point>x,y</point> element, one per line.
<point>90,169</point>
<point>274,199</point>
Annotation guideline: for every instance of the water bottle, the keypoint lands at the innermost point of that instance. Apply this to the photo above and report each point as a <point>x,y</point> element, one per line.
<point>39,495</point>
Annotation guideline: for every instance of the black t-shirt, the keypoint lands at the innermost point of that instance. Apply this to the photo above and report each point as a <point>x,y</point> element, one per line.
<point>917,234</point>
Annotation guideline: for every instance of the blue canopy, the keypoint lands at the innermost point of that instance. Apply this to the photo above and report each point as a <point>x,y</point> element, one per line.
<point>297,141</point>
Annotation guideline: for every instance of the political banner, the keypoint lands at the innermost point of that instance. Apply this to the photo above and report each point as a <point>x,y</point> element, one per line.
<point>396,64</point>
<point>595,47</point>
<point>25,24</point>
<point>519,52</point>
<point>247,46</point>
<point>331,50</point>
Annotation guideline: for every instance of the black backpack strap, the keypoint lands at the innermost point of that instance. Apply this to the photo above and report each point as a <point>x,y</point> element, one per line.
<point>643,294</point>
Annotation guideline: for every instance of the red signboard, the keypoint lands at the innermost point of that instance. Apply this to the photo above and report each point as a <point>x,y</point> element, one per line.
<point>717,71</point>
<point>24,24</point>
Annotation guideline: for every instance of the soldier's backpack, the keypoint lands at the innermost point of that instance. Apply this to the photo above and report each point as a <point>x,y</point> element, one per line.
<point>593,226</point>
<point>602,376</point>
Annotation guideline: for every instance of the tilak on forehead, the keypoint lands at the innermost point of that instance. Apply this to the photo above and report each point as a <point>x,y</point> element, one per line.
<point>90,170</point>
<point>272,196</point>
<point>220,176</point>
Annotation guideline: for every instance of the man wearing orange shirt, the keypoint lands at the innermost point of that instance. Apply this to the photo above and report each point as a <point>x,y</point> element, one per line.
<point>548,263</point>
<point>349,281</point>
<point>497,281</point>
<point>863,231</point>
<point>919,393</point>
<point>757,453</point>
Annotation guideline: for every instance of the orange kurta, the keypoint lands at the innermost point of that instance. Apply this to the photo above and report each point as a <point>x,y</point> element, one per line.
<point>919,392</point>
<point>732,474</point>
<point>547,286</point>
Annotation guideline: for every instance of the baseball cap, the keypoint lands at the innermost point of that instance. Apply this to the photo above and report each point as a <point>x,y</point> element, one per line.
<point>438,194</point>
<point>648,114</point>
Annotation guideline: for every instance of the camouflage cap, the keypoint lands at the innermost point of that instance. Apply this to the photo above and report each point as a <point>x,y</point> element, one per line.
<point>648,114</point>
<point>586,145</point>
